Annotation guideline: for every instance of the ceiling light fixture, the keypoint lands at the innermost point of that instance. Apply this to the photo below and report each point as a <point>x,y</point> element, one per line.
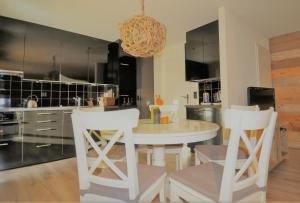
<point>142,36</point>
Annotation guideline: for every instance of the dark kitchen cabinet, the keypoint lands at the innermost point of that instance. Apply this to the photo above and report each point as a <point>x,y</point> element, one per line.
<point>202,52</point>
<point>12,42</point>
<point>10,154</point>
<point>112,68</point>
<point>42,139</point>
<point>42,53</point>
<point>80,55</point>
<point>10,142</point>
<point>127,79</point>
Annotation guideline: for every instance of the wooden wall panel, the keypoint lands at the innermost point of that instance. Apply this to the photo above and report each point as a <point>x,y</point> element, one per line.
<point>286,81</point>
<point>287,95</point>
<point>290,120</point>
<point>286,63</point>
<point>290,108</point>
<point>293,139</point>
<point>285,56</point>
<point>286,72</point>
<point>285,42</point>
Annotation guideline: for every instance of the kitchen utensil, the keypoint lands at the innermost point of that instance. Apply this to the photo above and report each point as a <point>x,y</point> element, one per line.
<point>205,97</point>
<point>32,101</point>
<point>90,102</point>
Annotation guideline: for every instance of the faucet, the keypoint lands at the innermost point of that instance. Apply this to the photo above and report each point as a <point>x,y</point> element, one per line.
<point>77,101</point>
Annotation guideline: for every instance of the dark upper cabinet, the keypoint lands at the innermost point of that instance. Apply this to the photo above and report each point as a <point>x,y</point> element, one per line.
<point>112,69</point>
<point>127,78</point>
<point>42,52</point>
<point>11,44</point>
<point>202,52</point>
<point>80,55</point>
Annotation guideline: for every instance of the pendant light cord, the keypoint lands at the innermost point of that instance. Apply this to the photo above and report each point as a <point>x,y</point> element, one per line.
<point>143,7</point>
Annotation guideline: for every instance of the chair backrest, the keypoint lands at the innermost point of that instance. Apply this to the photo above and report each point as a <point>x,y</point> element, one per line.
<point>226,132</point>
<point>120,123</point>
<point>170,110</point>
<point>245,108</point>
<point>240,121</point>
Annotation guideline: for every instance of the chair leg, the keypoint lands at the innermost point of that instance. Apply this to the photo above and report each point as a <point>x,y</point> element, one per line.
<point>174,197</point>
<point>180,161</point>
<point>262,197</point>
<point>137,156</point>
<point>197,160</point>
<point>148,158</point>
<point>177,162</point>
<point>162,196</point>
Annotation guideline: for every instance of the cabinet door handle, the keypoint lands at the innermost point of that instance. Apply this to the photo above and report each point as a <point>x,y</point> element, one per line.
<point>45,129</point>
<point>67,112</point>
<point>46,121</point>
<point>43,145</point>
<point>3,144</point>
<point>46,113</point>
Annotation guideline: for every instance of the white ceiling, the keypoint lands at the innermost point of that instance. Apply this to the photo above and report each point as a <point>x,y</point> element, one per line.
<point>100,18</point>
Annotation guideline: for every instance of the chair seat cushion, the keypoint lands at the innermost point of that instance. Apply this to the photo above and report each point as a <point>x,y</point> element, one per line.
<point>216,152</point>
<point>206,179</point>
<point>147,176</point>
<point>117,152</point>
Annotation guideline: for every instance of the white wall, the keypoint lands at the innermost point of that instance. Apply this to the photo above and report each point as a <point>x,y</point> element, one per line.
<point>238,60</point>
<point>263,66</point>
<point>169,76</point>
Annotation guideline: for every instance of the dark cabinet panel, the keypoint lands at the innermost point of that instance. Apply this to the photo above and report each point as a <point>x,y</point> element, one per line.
<point>112,69</point>
<point>42,52</point>
<point>127,79</point>
<point>11,44</point>
<point>10,154</point>
<point>10,142</point>
<point>41,152</point>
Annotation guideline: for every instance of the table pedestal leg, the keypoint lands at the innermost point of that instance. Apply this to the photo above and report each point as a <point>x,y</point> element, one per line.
<point>185,157</point>
<point>158,157</point>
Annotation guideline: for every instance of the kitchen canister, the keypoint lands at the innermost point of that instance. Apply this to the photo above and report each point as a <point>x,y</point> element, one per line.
<point>205,97</point>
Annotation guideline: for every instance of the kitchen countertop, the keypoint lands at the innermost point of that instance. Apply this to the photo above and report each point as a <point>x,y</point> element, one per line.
<point>63,108</point>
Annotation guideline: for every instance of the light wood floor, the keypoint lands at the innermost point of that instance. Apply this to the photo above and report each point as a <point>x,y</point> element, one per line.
<point>58,181</point>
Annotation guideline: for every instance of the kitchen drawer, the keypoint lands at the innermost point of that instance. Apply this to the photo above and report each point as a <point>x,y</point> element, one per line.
<point>41,152</point>
<point>29,116</point>
<point>51,132</point>
<point>47,115</point>
<point>46,129</point>
<point>10,155</point>
<point>46,124</point>
<point>32,116</point>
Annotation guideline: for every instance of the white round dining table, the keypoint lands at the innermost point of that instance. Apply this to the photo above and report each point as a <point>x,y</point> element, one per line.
<point>180,132</point>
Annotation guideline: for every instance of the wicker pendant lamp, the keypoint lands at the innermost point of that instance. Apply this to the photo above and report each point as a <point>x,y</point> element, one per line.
<point>142,36</point>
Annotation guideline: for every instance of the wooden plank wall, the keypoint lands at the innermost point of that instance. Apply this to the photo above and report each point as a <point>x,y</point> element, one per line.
<point>285,55</point>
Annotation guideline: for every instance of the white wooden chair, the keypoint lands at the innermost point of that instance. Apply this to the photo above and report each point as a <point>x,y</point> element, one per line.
<point>217,153</point>
<point>211,182</point>
<point>118,182</point>
<point>172,112</point>
<point>116,153</point>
